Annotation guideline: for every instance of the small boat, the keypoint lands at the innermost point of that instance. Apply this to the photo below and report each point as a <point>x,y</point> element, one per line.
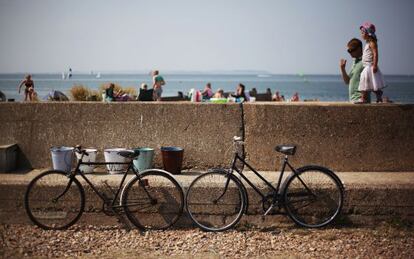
<point>63,76</point>
<point>264,75</point>
<point>98,75</point>
<point>70,73</point>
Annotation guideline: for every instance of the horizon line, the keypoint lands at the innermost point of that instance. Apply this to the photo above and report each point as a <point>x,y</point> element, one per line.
<point>189,72</point>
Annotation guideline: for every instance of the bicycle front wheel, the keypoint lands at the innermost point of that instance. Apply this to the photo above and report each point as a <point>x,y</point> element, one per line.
<point>313,197</point>
<point>154,200</point>
<point>215,201</point>
<point>54,201</point>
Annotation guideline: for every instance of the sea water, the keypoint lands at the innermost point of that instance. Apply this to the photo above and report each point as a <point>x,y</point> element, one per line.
<point>320,87</point>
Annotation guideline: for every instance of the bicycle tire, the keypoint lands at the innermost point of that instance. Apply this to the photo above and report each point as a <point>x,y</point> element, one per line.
<point>203,206</point>
<point>159,212</point>
<point>319,202</point>
<point>49,205</point>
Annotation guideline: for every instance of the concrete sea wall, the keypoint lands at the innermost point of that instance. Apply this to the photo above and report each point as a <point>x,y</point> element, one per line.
<point>341,136</point>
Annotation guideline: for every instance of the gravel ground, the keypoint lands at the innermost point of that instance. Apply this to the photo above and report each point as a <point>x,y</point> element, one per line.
<point>383,241</point>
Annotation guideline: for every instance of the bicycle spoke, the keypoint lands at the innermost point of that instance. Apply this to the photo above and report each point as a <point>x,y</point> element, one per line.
<point>215,202</point>
<point>56,206</point>
<point>324,200</point>
<point>155,201</point>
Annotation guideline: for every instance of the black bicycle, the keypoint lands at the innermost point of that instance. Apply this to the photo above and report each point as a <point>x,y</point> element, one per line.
<point>151,199</point>
<point>312,195</point>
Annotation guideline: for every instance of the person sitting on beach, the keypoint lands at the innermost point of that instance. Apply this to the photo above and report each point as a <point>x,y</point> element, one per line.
<point>29,90</point>
<point>109,93</point>
<point>253,92</point>
<point>121,96</point>
<point>283,98</point>
<point>268,91</point>
<point>352,79</point>
<point>56,96</point>
<point>157,83</point>
<point>2,97</point>
<point>219,94</point>
<point>240,94</point>
<point>145,95</point>
<point>207,93</point>
<point>295,97</point>
<point>276,97</point>
<point>180,95</point>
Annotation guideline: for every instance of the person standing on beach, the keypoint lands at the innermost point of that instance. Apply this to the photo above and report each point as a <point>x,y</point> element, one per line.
<point>157,83</point>
<point>352,79</point>
<point>371,76</point>
<point>29,90</point>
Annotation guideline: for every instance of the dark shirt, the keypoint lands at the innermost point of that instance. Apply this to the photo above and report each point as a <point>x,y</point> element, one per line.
<point>146,95</point>
<point>109,93</point>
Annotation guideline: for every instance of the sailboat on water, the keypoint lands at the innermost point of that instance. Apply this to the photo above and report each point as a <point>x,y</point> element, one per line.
<point>70,73</point>
<point>98,75</point>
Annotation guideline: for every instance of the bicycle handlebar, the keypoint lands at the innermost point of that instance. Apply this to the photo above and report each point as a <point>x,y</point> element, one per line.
<point>78,149</point>
<point>236,139</point>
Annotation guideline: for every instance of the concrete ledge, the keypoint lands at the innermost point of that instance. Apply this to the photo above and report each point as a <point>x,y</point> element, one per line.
<point>370,195</point>
<point>341,136</point>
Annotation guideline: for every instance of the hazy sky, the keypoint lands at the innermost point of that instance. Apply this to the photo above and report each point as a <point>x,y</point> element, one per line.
<point>291,36</point>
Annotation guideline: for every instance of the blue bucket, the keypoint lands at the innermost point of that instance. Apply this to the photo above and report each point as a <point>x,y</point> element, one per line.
<point>62,158</point>
<point>145,158</point>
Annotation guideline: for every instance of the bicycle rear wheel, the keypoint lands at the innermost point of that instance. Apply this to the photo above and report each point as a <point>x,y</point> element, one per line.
<point>314,197</point>
<point>54,201</point>
<point>215,201</point>
<point>154,200</point>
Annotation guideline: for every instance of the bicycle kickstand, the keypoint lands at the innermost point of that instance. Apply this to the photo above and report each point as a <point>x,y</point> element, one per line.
<point>269,209</point>
<point>122,220</point>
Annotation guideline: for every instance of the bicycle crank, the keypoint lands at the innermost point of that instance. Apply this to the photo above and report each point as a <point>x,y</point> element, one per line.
<point>269,205</point>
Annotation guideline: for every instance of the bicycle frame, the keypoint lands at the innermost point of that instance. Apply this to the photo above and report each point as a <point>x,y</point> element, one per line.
<point>102,194</point>
<point>240,172</point>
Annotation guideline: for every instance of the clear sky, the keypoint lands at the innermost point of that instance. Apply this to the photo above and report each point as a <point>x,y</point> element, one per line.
<point>292,36</point>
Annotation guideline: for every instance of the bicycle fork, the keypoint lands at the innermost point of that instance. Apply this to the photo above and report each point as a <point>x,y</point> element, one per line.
<point>54,200</point>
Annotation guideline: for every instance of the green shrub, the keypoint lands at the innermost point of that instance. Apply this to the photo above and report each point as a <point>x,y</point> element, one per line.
<point>94,93</point>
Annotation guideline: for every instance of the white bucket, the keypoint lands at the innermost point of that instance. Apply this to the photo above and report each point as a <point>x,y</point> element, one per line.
<point>111,155</point>
<point>90,158</point>
<point>62,158</point>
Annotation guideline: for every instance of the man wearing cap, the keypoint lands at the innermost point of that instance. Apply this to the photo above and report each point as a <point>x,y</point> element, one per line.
<point>352,79</point>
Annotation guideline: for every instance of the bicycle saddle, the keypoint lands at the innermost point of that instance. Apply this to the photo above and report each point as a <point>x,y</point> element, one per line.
<point>129,153</point>
<point>286,149</point>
